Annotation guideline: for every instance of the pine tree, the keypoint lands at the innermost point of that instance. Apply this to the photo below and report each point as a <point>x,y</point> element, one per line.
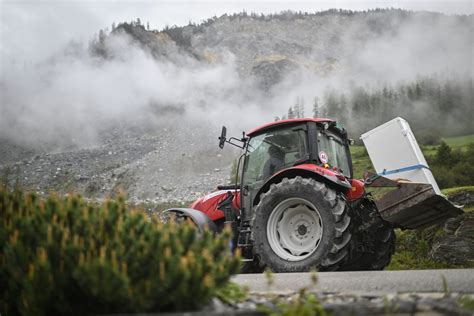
<point>332,104</point>
<point>302,108</point>
<point>291,114</point>
<point>296,108</point>
<point>343,109</point>
<point>101,36</point>
<point>418,91</point>
<point>315,107</point>
<point>444,155</point>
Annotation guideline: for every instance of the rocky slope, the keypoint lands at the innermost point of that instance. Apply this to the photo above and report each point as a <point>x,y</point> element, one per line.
<point>157,165</point>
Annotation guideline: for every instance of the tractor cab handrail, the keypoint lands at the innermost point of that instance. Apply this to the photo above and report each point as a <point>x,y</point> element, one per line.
<point>228,187</point>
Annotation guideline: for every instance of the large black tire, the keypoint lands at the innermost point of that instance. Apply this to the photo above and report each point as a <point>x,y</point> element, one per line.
<point>374,240</point>
<point>302,196</point>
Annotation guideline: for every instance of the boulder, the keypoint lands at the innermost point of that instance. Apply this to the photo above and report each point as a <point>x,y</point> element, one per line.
<point>455,246</point>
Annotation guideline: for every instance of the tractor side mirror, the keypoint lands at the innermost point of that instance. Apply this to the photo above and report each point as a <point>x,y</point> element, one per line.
<point>222,139</point>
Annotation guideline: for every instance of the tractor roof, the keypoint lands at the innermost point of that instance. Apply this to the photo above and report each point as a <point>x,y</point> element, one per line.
<point>271,125</point>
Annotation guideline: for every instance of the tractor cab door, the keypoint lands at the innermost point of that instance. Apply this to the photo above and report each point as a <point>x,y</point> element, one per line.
<point>269,153</point>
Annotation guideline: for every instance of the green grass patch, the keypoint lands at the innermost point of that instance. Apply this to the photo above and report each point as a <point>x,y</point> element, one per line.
<point>460,141</point>
<point>452,191</point>
<point>360,161</point>
<point>468,209</point>
<point>457,143</point>
<point>467,302</point>
<point>412,250</point>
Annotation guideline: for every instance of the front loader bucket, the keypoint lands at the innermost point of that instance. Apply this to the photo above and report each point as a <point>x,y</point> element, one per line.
<point>399,162</point>
<point>413,205</point>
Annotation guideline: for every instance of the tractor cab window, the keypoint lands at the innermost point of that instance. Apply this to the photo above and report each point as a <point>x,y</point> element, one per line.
<point>271,152</point>
<point>333,151</point>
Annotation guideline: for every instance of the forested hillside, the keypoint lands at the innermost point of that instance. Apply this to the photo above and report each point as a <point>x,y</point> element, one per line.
<point>433,106</point>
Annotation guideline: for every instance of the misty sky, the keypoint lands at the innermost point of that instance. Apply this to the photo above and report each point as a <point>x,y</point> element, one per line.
<point>32,30</point>
<point>40,78</point>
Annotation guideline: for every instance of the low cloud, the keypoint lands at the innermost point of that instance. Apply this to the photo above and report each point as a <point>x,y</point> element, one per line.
<point>70,98</point>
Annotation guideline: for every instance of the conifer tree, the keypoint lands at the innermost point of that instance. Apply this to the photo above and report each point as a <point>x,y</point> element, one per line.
<point>296,108</point>
<point>316,107</point>
<point>291,113</point>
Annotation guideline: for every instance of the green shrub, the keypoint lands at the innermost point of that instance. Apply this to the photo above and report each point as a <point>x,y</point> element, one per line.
<point>453,168</point>
<point>303,304</point>
<point>429,137</point>
<point>65,256</point>
<point>232,293</point>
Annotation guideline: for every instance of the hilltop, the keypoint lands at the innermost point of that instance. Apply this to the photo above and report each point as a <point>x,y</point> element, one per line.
<point>269,46</point>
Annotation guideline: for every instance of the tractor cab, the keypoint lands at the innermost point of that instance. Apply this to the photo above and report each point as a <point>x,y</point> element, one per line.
<point>283,147</point>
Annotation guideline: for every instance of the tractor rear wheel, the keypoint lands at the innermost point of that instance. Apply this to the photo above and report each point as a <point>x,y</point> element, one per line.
<point>377,237</point>
<point>300,224</point>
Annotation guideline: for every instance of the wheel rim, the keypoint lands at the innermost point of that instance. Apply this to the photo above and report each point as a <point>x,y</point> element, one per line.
<point>294,229</point>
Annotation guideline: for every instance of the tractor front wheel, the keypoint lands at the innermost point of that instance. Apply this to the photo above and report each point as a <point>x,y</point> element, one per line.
<point>301,224</point>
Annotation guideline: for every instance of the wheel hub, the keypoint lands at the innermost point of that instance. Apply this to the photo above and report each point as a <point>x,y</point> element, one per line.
<point>302,230</point>
<point>294,229</point>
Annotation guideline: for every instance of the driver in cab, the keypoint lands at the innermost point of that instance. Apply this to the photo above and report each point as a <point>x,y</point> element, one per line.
<point>275,162</point>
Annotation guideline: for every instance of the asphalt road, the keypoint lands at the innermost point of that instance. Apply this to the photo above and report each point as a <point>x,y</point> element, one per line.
<point>456,281</point>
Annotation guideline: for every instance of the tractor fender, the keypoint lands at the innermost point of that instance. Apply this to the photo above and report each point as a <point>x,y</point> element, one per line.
<point>201,220</point>
<point>307,171</point>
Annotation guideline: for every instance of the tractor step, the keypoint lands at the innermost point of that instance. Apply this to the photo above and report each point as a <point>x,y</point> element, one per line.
<point>244,245</point>
<point>244,236</point>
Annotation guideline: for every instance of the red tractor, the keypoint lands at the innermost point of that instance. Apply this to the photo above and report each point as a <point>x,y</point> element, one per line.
<point>297,206</point>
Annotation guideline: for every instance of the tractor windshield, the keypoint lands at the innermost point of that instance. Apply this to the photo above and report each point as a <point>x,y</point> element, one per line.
<point>273,151</point>
<point>333,152</point>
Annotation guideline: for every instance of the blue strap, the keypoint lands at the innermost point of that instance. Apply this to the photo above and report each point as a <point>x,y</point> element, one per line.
<point>414,167</point>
